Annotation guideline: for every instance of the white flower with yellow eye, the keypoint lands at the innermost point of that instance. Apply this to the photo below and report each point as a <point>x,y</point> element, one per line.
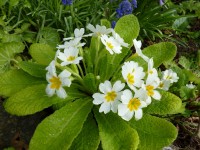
<point>138,45</point>
<point>78,33</point>
<point>110,96</point>
<point>152,72</point>
<point>70,56</point>
<point>170,75</point>
<point>111,44</point>
<point>133,74</point>
<point>149,90</point>
<point>164,85</point>
<point>130,106</point>
<point>56,83</point>
<point>99,30</point>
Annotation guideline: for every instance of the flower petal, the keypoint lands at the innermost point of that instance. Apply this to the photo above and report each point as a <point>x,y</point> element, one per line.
<point>156,95</point>
<point>50,92</point>
<point>98,98</point>
<point>61,93</point>
<point>105,107</point>
<point>122,109</point>
<point>138,114</point>
<point>118,86</point>
<point>128,115</point>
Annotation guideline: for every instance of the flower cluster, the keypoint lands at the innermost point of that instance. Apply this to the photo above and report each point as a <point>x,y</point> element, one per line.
<point>142,87</point>
<point>127,99</point>
<point>68,56</point>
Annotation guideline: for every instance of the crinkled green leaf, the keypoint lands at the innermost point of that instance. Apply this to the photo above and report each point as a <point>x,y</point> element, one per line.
<point>49,36</point>
<point>88,138</point>
<point>161,53</point>
<point>11,38</point>
<point>42,53</point>
<point>33,69</point>
<point>187,93</point>
<point>128,28</point>
<point>29,101</point>
<point>169,104</point>
<point>183,61</point>
<point>7,53</point>
<point>154,133</point>
<point>15,80</point>
<point>60,129</point>
<point>115,133</point>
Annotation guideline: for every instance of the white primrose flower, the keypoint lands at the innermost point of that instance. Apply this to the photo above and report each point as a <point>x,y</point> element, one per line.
<point>70,56</point>
<point>133,74</point>
<point>111,44</point>
<point>130,106</point>
<point>170,75</point>
<point>56,83</point>
<point>78,33</point>
<point>138,45</point>
<point>109,100</point>
<point>99,30</point>
<point>190,86</point>
<point>152,72</point>
<point>72,43</point>
<point>149,89</point>
<point>164,85</point>
<point>119,39</point>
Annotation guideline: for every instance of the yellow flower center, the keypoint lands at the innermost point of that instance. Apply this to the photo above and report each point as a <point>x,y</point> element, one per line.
<point>134,104</point>
<point>151,72</point>
<point>110,96</point>
<point>70,58</point>
<point>110,45</point>
<point>169,77</point>
<point>149,89</point>
<point>161,85</point>
<point>130,78</point>
<point>55,82</point>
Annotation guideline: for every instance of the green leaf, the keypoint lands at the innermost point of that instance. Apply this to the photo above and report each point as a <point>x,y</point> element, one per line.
<point>13,3</point>
<point>60,129</point>
<point>29,101</point>
<point>187,93</point>
<point>115,134</point>
<point>154,132</point>
<point>15,80</point>
<point>42,53</point>
<point>128,28</point>
<point>33,69</point>
<point>161,53</point>
<point>49,36</point>
<point>169,104</point>
<point>88,139</point>
<point>184,62</point>
<point>7,53</point>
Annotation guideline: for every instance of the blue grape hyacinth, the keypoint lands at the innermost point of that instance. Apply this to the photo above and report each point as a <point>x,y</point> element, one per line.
<point>125,8</point>
<point>67,2</point>
<point>134,3</point>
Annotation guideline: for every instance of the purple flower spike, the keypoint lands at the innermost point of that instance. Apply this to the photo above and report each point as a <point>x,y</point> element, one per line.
<point>125,8</point>
<point>134,3</point>
<point>67,2</point>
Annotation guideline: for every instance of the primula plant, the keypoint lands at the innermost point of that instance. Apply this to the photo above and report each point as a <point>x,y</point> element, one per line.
<point>104,96</point>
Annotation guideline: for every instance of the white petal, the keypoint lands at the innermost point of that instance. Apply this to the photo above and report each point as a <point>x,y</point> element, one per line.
<point>156,95</point>
<point>105,87</point>
<point>91,27</point>
<point>126,96</point>
<point>128,115</point>
<point>65,63</point>
<point>98,98</point>
<point>64,74</point>
<point>62,56</point>
<point>66,82</point>
<point>49,90</point>
<point>138,114</point>
<point>148,100</point>
<point>76,61</point>
<point>122,109</point>
<point>105,107</point>
<point>61,93</point>
<point>114,105</point>
<point>118,86</point>
<point>143,104</point>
